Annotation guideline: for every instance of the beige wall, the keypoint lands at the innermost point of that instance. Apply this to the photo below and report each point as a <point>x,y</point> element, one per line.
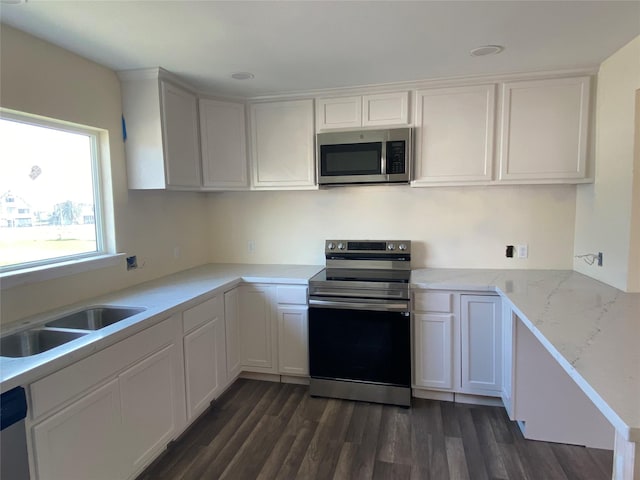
<point>604,219</point>
<point>633,278</point>
<point>39,78</point>
<point>450,226</point>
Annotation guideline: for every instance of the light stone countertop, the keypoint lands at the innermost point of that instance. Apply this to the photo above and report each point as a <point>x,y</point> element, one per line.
<point>590,328</point>
<point>161,298</point>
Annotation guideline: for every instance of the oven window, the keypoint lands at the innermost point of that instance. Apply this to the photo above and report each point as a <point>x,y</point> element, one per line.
<point>359,345</point>
<point>351,159</point>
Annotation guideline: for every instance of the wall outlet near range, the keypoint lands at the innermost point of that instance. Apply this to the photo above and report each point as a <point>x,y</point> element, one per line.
<point>523,250</point>
<point>251,246</point>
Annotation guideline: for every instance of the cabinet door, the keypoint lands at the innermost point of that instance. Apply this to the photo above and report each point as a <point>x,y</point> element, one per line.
<point>232,332</point>
<point>544,129</point>
<point>180,136</point>
<point>256,342</point>
<point>481,336</point>
<point>385,109</point>
<point>205,365</point>
<point>150,406</point>
<point>433,350</point>
<point>223,140</point>
<point>282,141</point>
<point>83,440</point>
<point>342,112</point>
<point>293,340</point>
<point>454,135</point>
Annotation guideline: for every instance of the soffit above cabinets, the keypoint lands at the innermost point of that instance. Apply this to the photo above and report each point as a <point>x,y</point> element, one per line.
<point>304,46</point>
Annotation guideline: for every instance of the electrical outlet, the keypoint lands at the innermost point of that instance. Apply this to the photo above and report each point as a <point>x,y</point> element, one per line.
<point>177,252</point>
<point>509,252</point>
<point>523,251</point>
<point>132,262</point>
<point>251,246</point>
<point>599,259</point>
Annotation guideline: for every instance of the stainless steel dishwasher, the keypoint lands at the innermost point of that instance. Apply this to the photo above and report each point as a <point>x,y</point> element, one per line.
<point>14,462</point>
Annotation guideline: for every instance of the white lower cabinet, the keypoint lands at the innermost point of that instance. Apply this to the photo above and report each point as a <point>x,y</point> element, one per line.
<point>457,342</point>
<point>481,337</point>
<point>433,350</point>
<point>267,329</point>
<point>293,329</point>
<point>205,363</point>
<point>83,440</point>
<point>110,414</point>
<point>256,328</point>
<point>293,340</point>
<point>150,407</point>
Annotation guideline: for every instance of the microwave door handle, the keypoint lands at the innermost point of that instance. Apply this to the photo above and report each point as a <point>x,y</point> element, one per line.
<point>383,170</point>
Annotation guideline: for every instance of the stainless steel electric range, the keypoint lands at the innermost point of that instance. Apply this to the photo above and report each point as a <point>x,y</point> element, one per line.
<point>359,326</point>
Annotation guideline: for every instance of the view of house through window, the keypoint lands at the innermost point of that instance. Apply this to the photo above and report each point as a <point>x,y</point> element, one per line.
<point>48,191</point>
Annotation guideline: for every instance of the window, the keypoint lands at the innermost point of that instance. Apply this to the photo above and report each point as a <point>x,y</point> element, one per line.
<point>49,192</point>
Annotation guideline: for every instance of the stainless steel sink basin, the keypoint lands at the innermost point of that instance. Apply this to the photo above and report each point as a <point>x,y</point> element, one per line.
<point>94,318</point>
<point>37,340</point>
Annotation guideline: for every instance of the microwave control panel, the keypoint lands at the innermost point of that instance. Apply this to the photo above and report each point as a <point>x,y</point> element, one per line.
<point>396,156</point>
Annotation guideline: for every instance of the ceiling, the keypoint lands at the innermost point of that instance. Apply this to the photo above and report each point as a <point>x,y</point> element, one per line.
<point>308,45</point>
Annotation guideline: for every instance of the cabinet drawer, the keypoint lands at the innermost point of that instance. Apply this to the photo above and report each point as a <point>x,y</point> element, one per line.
<point>292,295</point>
<point>63,385</point>
<point>200,314</point>
<point>441,302</point>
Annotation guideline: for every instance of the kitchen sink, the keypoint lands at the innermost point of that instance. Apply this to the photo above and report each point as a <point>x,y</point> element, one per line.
<point>95,318</point>
<point>34,341</point>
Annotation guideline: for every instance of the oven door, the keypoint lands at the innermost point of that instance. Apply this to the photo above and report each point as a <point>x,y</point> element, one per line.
<point>360,341</point>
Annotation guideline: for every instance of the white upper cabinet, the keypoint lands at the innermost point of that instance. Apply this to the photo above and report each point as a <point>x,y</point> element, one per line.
<point>223,138</point>
<point>342,112</point>
<point>545,125</point>
<point>454,135</point>
<point>161,118</point>
<point>282,145</point>
<point>385,109</point>
<point>363,111</point>
<point>180,133</point>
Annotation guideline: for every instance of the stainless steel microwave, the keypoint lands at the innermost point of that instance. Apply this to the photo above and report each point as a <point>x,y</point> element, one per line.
<point>364,157</point>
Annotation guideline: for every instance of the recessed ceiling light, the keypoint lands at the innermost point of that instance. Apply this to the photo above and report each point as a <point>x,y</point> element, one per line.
<point>486,50</point>
<point>242,75</point>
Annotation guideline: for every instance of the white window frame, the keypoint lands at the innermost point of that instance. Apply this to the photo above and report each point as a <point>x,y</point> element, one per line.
<point>40,270</point>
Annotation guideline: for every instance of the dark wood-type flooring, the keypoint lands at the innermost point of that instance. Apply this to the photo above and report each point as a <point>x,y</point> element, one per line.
<point>264,430</point>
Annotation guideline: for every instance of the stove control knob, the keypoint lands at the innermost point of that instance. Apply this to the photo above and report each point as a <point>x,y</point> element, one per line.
<point>402,247</point>
<point>341,246</point>
<point>331,245</point>
<point>391,246</point>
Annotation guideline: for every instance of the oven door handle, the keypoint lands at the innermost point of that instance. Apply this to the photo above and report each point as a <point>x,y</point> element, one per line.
<point>384,307</point>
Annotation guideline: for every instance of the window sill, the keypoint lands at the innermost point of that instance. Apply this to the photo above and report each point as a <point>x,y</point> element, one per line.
<point>58,270</point>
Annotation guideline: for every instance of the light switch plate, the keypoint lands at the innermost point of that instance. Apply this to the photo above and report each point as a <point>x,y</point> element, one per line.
<point>523,251</point>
